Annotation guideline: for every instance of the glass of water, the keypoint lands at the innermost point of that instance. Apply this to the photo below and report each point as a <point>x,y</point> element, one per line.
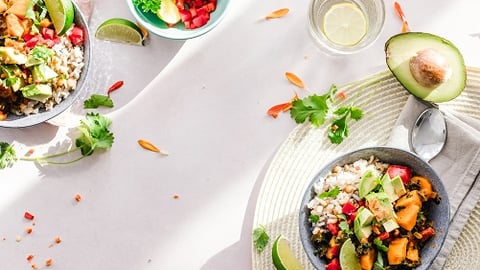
<point>341,27</point>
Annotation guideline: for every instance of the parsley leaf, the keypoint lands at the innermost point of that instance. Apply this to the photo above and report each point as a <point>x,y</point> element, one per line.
<point>95,134</point>
<point>96,101</point>
<point>260,238</point>
<point>148,5</point>
<point>7,155</point>
<point>332,193</point>
<point>314,218</point>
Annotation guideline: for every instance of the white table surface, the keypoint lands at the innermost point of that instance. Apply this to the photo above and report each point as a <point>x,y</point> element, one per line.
<point>204,101</point>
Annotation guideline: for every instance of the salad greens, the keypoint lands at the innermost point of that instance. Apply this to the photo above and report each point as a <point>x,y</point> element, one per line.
<point>94,134</point>
<point>148,5</point>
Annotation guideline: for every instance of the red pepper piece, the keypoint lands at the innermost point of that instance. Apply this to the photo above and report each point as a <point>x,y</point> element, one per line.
<point>384,236</point>
<point>114,87</point>
<point>28,216</point>
<point>333,228</point>
<point>427,233</point>
<point>333,265</point>
<point>398,170</point>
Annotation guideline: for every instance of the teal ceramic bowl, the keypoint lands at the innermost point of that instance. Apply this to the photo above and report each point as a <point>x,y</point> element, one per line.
<point>156,26</point>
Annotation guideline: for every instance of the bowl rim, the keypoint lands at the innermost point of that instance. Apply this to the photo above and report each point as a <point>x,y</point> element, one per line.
<point>23,121</point>
<point>305,226</point>
<point>175,33</point>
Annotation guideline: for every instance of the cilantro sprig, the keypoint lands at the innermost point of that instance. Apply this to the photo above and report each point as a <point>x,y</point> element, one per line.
<point>318,109</point>
<point>94,135</point>
<point>260,238</point>
<point>96,101</point>
<point>148,5</point>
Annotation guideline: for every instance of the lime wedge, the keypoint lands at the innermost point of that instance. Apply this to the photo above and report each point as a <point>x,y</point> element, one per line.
<point>62,13</point>
<point>168,12</point>
<point>345,24</point>
<point>283,257</point>
<point>120,30</point>
<point>348,256</point>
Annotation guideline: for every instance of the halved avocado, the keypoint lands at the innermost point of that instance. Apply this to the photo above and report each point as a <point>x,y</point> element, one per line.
<point>428,66</point>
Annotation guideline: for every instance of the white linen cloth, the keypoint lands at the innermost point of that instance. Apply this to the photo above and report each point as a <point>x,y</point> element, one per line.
<point>458,165</point>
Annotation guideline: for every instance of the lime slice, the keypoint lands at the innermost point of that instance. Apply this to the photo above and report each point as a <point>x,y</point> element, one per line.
<point>345,24</point>
<point>61,12</point>
<point>283,257</point>
<point>168,12</point>
<point>120,30</point>
<point>348,256</point>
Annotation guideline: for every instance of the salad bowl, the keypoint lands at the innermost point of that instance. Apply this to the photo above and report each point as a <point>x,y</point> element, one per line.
<point>437,212</point>
<point>179,31</point>
<point>19,121</point>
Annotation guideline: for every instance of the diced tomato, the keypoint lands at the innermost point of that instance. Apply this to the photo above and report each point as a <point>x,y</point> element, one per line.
<point>31,41</point>
<point>48,33</point>
<point>398,170</point>
<point>185,15</point>
<point>351,218</point>
<point>427,233</point>
<point>77,35</point>
<point>333,228</point>
<point>349,209</point>
<point>333,265</point>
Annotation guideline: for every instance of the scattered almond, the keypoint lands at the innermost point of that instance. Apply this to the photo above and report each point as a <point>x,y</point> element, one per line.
<point>277,13</point>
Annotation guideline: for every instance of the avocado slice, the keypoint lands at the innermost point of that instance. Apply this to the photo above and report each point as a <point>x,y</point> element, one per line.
<point>43,73</point>
<point>39,92</point>
<point>362,223</point>
<point>428,66</point>
<point>381,206</point>
<point>9,55</point>
<point>368,182</point>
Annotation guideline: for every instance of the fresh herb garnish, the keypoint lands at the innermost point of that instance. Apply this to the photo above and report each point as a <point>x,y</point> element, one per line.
<point>7,155</point>
<point>148,5</point>
<point>379,245</point>
<point>316,109</point>
<point>94,135</point>
<point>343,225</point>
<point>314,218</point>
<point>260,238</point>
<point>97,100</point>
<point>330,194</point>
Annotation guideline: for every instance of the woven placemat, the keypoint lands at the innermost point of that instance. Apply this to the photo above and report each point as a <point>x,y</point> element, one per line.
<point>306,148</point>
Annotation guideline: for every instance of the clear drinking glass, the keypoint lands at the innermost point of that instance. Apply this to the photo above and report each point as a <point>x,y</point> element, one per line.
<point>373,12</point>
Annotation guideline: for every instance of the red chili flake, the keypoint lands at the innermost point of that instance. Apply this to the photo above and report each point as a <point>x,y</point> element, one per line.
<point>334,127</point>
<point>29,230</point>
<point>57,240</point>
<point>114,87</point>
<point>34,266</point>
<point>342,95</point>
<point>48,262</point>
<point>29,216</point>
<point>30,257</point>
<point>176,196</point>
<point>78,197</point>
<point>283,107</point>
<point>30,152</point>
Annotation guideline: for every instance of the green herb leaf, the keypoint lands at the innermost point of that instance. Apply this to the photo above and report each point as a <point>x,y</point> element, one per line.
<point>7,155</point>
<point>95,134</point>
<point>330,194</point>
<point>356,113</point>
<point>379,245</point>
<point>314,218</point>
<point>96,101</point>
<point>260,238</point>
<point>338,130</point>
<point>148,5</point>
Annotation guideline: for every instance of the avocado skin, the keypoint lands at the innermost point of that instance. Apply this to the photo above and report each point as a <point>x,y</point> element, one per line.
<point>401,47</point>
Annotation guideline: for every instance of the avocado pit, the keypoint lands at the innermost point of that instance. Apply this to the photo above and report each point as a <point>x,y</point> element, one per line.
<point>430,68</point>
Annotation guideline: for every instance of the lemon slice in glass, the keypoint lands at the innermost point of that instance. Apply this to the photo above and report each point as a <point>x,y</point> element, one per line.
<point>345,24</point>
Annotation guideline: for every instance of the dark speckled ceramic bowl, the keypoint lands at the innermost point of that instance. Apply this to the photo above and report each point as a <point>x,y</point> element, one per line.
<point>15,121</point>
<point>440,213</point>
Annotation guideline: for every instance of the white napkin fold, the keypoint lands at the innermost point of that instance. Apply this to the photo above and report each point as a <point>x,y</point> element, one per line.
<point>458,165</point>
